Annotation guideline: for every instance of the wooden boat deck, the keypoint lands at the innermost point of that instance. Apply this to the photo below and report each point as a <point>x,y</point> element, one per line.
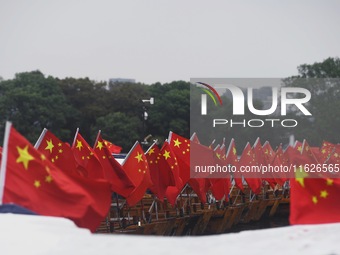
<point>190,216</point>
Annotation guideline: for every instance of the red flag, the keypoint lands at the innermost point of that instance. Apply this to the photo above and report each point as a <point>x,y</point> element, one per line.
<point>268,151</point>
<point>152,156</point>
<point>279,160</point>
<point>313,200</point>
<point>248,159</point>
<point>263,160</point>
<point>136,167</point>
<point>115,149</point>
<point>200,155</point>
<point>330,153</point>
<point>57,152</point>
<point>35,183</point>
<point>170,181</point>
<point>232,160</point>
<point>220,187</point>
<point>86,158</point>
<point>326,150</point>
<point>194,138</point>
<point>113,171</point>
<point>181,148</point>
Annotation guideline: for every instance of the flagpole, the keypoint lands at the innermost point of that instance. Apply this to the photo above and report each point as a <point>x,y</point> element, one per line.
<point>127,156</point>
<point>170,136</point>
<point>4,160</point>
<point>154,142</point>
<point>94,145</point>
<point>75,137</point>
<point>41,137</point>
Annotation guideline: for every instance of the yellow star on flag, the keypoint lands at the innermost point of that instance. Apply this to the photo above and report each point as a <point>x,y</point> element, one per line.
<point>37,184</point>
<point>151,151</point>
<point>166,154</point>
<point>49,146</point>
<point>79,145</point>
<point>300,176</point>
<point>323,193</point>
<point>139,157</point>
<point>24,156</point>
<point>99,145</point>
<point>315,199</point>
<point>48,178</point>
<point>329,182</point>
<point>177,143</point>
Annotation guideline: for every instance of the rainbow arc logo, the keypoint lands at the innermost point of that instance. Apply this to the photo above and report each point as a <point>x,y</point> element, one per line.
<point>209,90</point>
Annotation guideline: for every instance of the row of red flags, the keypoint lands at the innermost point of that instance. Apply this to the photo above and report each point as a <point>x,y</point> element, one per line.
<point>56,179</point>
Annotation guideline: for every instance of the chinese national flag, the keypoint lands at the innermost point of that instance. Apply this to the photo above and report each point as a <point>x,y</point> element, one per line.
<point>33,182</point>
<point>330,153</point>
<point>58,152</point>
<point>313,200</point>
<point>151,156</point>
<point>136,167</point>
<point>86,158</point>
<point>263,159</point>
<point>113,171</point>
<point>279,160</point>
<point>232,160</point>
<point>248,159</point>
<point>326,151</point>
<point>194,138</point>
<point>170,181</point>
<point>269,153</point>
<point>181,147</point>
<point>220,187</point>
<point>115,149</point>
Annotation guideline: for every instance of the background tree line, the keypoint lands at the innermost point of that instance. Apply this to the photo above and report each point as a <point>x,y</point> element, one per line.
<point>33,101</point>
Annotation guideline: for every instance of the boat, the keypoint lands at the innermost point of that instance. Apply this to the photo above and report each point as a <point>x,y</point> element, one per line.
<point>190,217</point>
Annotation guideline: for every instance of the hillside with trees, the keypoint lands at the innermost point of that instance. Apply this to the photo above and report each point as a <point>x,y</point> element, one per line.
<point>33,101</point>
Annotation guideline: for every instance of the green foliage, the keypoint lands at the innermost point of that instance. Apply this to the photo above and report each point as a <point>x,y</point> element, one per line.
<point>119,128</point>
<point>322,80</point>
<point>329,68</point>
<point>171,109</point>
<point>32,102</point>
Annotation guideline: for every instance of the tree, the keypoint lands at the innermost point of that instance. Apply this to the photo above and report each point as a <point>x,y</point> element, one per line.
<point>329,68</point>
<point>171,111</point>
<point>33,102</point>
<point>119,128</point>
<point>87,98</point>
<point>322,80</point>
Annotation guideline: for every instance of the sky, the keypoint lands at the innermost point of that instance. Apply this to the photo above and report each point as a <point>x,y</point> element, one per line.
<point>166,40</point>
